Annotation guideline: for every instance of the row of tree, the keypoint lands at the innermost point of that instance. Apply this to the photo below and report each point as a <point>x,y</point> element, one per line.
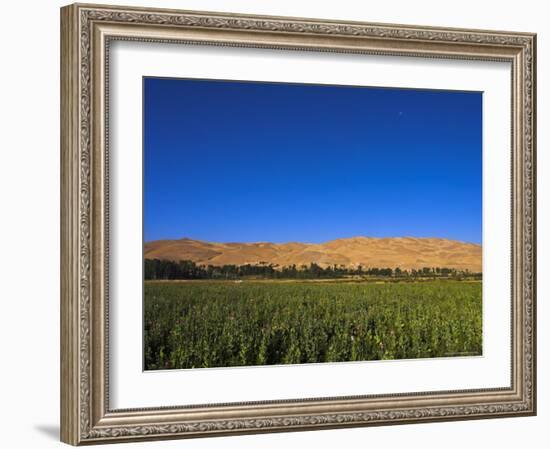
<point>187,269</point>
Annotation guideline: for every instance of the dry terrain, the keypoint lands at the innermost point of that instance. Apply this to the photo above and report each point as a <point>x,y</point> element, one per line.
<point>403,252</point>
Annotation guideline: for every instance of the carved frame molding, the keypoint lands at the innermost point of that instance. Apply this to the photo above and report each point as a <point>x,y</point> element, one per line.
<point>87,31</point>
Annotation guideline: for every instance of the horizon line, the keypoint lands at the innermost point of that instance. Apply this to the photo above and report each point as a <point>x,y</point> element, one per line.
<point>312,243</point>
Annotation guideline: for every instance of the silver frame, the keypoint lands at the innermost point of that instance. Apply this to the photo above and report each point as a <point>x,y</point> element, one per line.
<point>86,33</point>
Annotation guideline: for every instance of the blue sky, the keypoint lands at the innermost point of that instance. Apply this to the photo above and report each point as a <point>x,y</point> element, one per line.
<point>231,161</point>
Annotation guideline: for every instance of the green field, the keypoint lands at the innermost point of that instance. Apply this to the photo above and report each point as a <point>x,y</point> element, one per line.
<point>198,324</point>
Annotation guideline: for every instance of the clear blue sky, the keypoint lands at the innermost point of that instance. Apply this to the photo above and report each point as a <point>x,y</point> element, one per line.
<point>230,161</point>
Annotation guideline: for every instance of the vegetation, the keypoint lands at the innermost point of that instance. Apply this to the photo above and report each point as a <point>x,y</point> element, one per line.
<point>226,323</point>
<point>186,269</point>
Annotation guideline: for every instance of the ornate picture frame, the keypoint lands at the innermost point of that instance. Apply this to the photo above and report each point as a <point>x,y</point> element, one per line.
<point>87,32</point>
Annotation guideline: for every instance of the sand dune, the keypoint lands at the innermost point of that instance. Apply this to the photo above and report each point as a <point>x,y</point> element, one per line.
<point>402,252</point>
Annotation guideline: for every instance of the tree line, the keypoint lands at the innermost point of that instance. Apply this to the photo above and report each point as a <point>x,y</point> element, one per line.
<point>156,269</point>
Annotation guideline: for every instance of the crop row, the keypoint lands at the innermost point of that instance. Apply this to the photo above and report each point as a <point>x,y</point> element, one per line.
<point>214,324</point>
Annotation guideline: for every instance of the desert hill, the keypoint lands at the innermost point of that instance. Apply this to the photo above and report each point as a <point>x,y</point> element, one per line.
<point>403,252</point>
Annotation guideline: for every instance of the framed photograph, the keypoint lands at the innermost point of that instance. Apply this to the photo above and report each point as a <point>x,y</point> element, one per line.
<point>278,224</point>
